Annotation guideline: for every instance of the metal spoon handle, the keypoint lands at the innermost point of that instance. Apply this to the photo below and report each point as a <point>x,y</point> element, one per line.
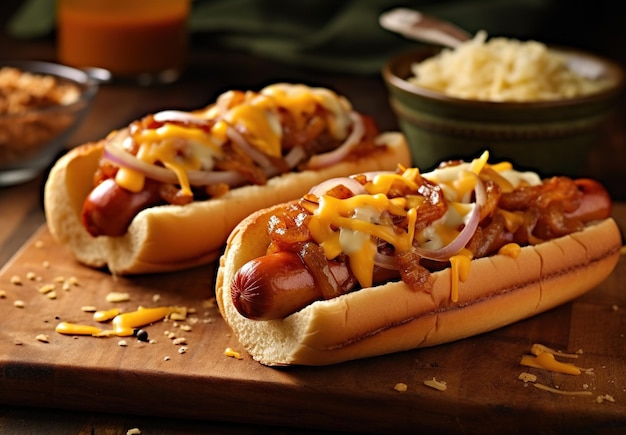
<point>415,25</point>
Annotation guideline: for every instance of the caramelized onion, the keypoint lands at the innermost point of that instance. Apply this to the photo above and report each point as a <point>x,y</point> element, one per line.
<point>454,247</point>
<point>315,260</point>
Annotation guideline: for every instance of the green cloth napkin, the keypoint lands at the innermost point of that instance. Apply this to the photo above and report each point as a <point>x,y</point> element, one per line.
<point>332,35</point>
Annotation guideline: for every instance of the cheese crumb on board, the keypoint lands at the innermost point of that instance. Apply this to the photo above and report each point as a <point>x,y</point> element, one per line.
<point>537,349</point>
<point>118,297</point>
<point>179,315</point>
<point>230,352</point>
<point>605,398</point>
<point>43,338</point>
<point>19,304</point>
<point>527,377</point>
<point>437,385</point>
<point>46,288</point>
<point>401,387</point>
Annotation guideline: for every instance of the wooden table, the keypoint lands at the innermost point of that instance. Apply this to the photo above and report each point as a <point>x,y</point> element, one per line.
<point>210,72</point>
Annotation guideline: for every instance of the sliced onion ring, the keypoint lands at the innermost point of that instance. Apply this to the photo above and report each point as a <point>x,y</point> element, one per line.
<point>350,183</point>
<point>385,261</point>
<point>339,153</point>
<point>123,158</point>
<point>257,156</point>
<point>370,176</point>
<point>178,115</point>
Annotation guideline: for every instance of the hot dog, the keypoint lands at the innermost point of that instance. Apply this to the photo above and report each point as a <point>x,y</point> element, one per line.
<point>383,262</point>
<point>163,193</point>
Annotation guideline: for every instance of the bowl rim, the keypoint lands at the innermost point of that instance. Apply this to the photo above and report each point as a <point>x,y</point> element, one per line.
<point>87,81</point>
<point>390,75</point>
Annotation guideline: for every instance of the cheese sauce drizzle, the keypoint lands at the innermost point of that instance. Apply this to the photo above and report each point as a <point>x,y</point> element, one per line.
<point>124,324</point>
<point>196,143</point>
<point>352,226</point>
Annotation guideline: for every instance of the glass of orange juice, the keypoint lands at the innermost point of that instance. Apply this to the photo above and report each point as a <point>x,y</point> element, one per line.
<point>141,40</point>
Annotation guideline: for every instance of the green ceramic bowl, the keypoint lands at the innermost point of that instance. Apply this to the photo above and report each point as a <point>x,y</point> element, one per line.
<point>550,137</point>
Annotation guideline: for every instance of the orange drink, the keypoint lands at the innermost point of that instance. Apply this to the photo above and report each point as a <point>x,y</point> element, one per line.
<point>142,39</point>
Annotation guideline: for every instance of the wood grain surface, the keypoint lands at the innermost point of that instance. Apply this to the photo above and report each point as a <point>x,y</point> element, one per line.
<point>481,373</point>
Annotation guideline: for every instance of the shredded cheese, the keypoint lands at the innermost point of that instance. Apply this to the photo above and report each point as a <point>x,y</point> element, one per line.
<point>435,384</point>
<point>537,349</point>
<point>562,392</point>
<point>527,377</point>
<point>547,361</point>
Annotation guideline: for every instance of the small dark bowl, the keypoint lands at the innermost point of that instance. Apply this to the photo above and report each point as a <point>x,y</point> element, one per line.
<point>550,137</point>
<point>30,140</point>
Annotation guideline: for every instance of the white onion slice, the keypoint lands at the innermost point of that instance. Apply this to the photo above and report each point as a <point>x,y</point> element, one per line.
<point>121,157</point>
<point>369,176</point>
<point>257,156</point>
<point>385,261</point>
<point>177,115</point>
<point>294,157</point>
<point>350,183</point>
<point>454,247</point>
<point>339,153</point>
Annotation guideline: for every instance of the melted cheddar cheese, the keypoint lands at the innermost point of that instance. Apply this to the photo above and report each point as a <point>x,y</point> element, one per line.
<point>194,147</point>
<point>354,226</point>
<point>123,324</point>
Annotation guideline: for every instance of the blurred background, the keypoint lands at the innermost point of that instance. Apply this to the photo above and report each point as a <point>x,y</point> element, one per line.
<point>345,35</point>
<point>246,44</point>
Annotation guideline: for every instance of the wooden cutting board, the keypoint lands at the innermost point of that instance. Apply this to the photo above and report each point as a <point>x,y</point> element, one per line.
<point>483,395</point>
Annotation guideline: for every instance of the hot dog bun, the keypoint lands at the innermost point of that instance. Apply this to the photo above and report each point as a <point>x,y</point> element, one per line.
<point>389,318</point>
<point>169,237</point>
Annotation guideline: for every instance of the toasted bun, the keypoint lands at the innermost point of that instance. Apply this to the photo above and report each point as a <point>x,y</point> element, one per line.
<point>500,290</point>
<point>169,237</point>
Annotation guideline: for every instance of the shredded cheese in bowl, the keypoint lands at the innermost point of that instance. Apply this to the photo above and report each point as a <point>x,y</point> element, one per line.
<point>502,69</point>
